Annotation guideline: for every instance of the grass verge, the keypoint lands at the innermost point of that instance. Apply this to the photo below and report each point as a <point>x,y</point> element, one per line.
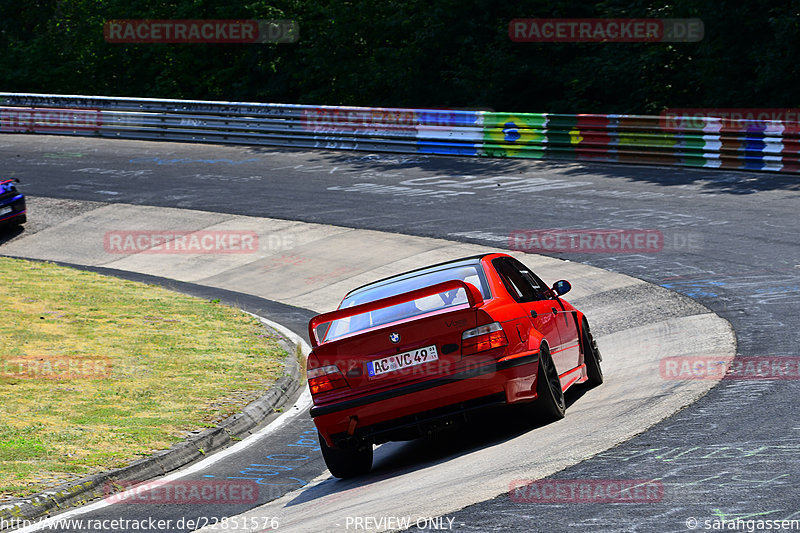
<point>96,372</point>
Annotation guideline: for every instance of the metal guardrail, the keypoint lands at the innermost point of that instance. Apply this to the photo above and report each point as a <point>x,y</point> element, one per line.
<point>699,142</point>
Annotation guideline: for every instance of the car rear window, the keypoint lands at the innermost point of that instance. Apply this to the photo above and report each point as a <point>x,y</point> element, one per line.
<point>471,273</point>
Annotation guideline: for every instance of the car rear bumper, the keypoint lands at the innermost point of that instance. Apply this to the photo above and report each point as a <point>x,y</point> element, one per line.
<point>17,206</point>
<point>408,411</point>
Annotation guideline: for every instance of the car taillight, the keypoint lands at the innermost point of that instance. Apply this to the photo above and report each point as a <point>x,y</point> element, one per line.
<point>325,379</point>
<point>483,338</point>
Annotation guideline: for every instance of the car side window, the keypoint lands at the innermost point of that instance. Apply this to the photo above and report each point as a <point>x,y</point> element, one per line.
<point>541,290</point>
<point>520,286</point>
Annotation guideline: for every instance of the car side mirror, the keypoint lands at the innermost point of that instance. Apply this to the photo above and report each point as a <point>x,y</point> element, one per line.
<point>561,287</point>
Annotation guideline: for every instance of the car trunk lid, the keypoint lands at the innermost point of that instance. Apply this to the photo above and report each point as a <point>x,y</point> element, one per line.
<point>395,340</point>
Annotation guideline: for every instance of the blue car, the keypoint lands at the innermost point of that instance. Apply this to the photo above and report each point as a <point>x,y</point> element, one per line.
<point>12,203</point>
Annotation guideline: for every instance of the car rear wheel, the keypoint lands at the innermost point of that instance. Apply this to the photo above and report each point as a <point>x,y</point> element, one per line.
<point>591,357</point>
<point>550,403</point>
<point>345,463</point>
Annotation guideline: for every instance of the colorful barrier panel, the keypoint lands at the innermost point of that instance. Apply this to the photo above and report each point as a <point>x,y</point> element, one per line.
<point>671,139</point>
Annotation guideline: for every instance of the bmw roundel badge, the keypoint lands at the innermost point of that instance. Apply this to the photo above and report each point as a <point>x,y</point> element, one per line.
<point>394,337</point>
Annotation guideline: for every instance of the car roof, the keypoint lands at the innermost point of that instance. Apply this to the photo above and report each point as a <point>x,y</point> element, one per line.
<point>471,260</point>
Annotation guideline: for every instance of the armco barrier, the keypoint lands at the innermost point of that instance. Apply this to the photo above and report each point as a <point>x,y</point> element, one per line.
<point>707,142</point>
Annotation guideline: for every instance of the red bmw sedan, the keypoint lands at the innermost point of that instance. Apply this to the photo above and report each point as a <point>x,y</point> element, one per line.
<point>416,352</point>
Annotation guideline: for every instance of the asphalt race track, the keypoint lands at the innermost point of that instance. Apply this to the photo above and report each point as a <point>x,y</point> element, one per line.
<point>300,264</point>
<point>730,243</point>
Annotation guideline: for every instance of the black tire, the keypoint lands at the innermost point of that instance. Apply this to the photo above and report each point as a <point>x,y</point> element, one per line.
<point>348,462</point>
<point>550,403</point>
<point>591,357</point>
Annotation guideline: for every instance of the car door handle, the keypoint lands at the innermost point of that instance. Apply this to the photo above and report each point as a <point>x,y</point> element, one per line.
<point>555,311</point>
<point>534,314</point>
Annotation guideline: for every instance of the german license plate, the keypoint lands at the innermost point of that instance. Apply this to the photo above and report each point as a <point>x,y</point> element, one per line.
<point>4,211</point>
<point>402,360</point>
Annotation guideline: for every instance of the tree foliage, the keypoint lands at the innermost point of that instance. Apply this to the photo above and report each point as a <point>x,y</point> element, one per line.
<point>414,53</point>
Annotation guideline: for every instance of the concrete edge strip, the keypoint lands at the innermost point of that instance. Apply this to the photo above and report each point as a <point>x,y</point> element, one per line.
<point>196,447</point>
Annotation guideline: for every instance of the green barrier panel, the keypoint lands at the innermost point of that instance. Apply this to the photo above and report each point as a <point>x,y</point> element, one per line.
<point>562,131</point>
<point>655,140</point>
<point>511,135</point>
<point>502,150</point>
